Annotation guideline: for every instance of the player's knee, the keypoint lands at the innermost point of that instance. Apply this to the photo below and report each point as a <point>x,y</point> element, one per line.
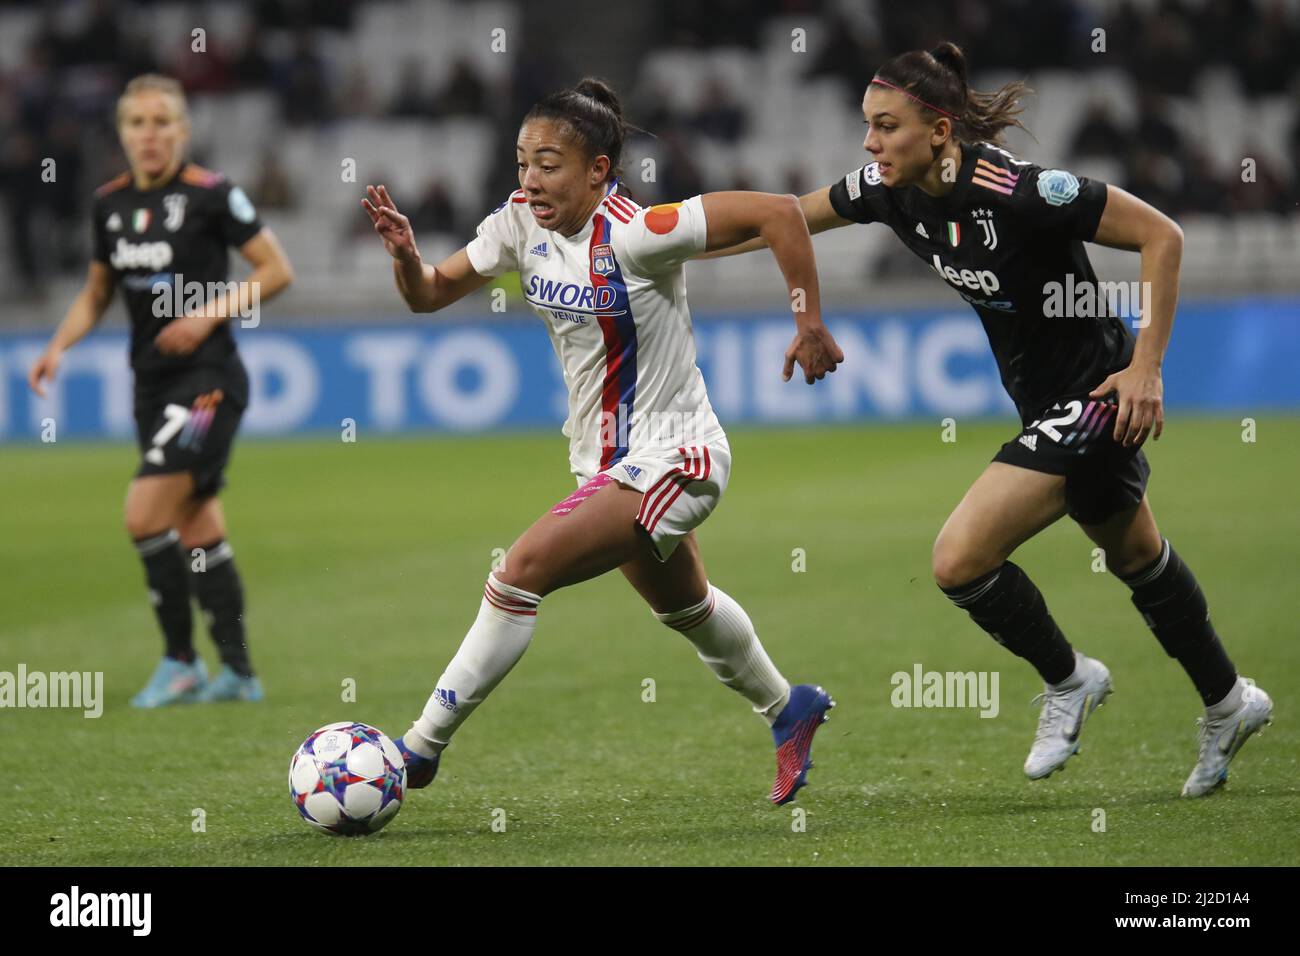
<point>954,566</point>
<point>140,524</point>
<point>524,568</point>
<point>190,539</point>
<point>1133,559</point>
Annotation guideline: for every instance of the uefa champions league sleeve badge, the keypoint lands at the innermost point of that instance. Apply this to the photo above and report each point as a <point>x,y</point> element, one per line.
<point>1057,186</point>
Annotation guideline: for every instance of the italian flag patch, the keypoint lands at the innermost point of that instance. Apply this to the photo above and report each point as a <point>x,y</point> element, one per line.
<point>954,233</point>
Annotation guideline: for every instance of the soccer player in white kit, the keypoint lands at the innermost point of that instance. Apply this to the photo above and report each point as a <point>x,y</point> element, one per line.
<point>650,458</point>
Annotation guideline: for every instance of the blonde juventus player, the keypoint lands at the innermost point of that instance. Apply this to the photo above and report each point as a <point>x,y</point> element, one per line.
<point>649,455</point>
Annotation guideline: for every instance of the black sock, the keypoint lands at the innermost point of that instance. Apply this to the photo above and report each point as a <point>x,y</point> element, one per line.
<point>169,592</point>
<point>1010,608</point>
<point>221,595</point>
<point>1171,602</point>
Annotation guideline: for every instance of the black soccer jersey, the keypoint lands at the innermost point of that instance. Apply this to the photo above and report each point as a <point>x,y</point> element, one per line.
<point>168,246</point>
<point>1007,237</point>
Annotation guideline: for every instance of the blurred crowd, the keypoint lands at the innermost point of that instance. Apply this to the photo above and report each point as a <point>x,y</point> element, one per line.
<point>1166,48</point>
<point>57,101</point>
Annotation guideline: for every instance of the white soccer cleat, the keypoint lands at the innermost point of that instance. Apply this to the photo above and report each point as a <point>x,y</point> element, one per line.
<point>1062,717</point>
<point>1222,737</point>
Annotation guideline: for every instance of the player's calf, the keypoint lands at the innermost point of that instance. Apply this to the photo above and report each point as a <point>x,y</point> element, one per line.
<point>497,640</point>
<point>169,592</point>
<point>1011,610</point>
<point>1166,594</point>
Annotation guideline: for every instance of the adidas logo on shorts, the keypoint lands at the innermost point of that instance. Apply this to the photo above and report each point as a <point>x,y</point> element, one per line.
<point>1030,442</point>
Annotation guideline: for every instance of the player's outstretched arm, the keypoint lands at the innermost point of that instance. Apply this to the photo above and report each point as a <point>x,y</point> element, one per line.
<point>778,221</point>
<point>425,288</point>
<point>271,274</point>
<point>86,310</point>
<point>1129,223</point>
<point>817,212</point>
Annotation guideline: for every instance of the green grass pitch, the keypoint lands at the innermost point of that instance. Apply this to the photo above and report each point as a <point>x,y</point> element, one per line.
<point>366,561</point>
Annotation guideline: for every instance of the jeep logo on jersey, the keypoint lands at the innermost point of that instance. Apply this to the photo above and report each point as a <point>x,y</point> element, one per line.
<point>983,279</point>
<point>141,255</point>
<point>602,260</point>
<point>550,293</point>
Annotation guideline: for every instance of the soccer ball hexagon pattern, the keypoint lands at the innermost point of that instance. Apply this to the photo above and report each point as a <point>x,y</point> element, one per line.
<point>347,779</point>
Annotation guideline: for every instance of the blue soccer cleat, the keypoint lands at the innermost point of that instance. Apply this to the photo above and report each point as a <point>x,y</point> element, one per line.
<point>173,682</point>
<point>420,771</point>
<point>228,685</point>
<point>793,734</point>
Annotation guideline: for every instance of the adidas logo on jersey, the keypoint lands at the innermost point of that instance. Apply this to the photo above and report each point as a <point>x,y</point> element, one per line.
<point>539,250</point>
<point>920,230</point>
<point>1030,442</point>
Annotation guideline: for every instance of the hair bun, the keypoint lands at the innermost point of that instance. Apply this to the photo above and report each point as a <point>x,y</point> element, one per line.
<point>949,56</point>
<point>601,92</point>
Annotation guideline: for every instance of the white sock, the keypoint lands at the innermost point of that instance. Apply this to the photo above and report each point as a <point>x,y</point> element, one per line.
<point>724,638</point>
<point>499,637</point>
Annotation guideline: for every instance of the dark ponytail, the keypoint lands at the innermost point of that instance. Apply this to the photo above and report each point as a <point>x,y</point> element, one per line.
<point>936,83</point>
<point>594,114</point>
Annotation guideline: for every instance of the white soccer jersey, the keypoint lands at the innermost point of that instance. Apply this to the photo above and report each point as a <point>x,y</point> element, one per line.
<point>613,298</point>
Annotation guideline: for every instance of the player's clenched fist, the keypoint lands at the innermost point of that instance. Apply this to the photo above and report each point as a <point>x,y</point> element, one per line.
<point>392,226</point>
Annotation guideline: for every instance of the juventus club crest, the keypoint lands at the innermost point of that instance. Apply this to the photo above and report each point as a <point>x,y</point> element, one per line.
<point>984,219</point>
<point>175,206</point>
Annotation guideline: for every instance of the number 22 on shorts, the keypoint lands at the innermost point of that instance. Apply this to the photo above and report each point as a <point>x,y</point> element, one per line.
<point>1048,425</point>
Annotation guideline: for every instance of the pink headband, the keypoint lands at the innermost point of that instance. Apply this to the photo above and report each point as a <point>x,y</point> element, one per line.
<point>876,79</point>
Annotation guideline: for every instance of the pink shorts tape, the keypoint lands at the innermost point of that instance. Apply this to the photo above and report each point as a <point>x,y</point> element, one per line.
<point>582,494</point>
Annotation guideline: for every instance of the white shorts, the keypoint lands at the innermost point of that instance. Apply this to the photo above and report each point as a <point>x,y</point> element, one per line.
<point>679,490</point>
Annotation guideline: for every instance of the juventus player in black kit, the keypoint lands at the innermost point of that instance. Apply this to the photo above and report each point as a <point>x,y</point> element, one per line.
<point>161,232</point>
<point>1007,236</point>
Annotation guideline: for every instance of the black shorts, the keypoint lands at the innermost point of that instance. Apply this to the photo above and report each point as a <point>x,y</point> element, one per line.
<point>189,424</point>
<point>1075,438</point>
